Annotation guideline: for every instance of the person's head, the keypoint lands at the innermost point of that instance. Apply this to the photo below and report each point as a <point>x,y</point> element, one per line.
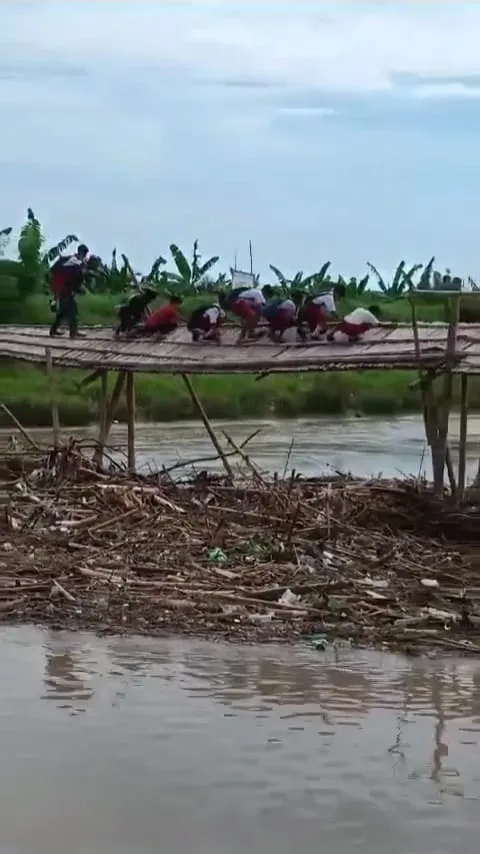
<point>375,310</point>
<point>175,299</point>
<point>267,291</point>
<point>82,251</point>
<point>149,294</point>
<point>339,291</point>
<point>297,297</point>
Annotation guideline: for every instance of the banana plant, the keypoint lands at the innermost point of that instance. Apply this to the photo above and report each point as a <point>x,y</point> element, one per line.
<point>55,251</point>
<point>315,280</point>
<point>190,275</point>
<point>319,279</point>
<point>30,245</point>
<point>402,279</point>
<point>425,282</point>
<point>112,278</point>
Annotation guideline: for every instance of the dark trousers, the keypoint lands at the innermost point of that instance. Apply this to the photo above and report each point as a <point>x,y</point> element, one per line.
<point>67,312</point>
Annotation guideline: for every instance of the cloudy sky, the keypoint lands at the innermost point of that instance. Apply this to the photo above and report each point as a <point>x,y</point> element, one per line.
<point>347,131</point>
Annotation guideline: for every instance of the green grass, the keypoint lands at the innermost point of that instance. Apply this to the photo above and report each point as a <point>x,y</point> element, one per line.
<point>99,309</point>
<point>164,398</point>
<point>161,398</point>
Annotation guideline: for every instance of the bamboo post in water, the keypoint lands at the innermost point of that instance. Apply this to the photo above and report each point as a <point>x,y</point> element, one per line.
<point>208,427</point>
<point>53,398</point>
<point>106,420</point>
<point>444,414</point>
<point>131,422</point>
<point>462,453</point>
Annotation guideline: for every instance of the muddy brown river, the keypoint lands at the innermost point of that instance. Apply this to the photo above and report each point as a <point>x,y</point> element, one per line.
<point>134,747</point>
<point>363,446</point>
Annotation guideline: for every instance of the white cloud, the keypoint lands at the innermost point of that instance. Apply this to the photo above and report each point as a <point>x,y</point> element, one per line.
<point>342,47</point>
<point>446,90</point>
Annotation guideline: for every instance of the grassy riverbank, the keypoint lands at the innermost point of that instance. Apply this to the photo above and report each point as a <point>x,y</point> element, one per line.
<point>25,391</point>
<point>99,308</point>
<point>24,388</point>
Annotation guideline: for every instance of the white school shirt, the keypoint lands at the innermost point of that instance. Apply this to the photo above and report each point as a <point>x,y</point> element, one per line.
<point>287,305</point>
<point>253,295</point>
<point>214,314</point>
<point>361,315</point>
<point>326,300</point>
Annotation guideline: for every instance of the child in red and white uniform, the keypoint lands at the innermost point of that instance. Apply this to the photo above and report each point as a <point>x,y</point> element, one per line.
<point>355,324</point>
<point>248,306</point>
<point>205,323</point>
<point>280,315</point>
<point>162,320</point>
<point>315,311</point>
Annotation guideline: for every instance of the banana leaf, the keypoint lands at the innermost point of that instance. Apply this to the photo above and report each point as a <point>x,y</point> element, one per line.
<point>181,263</point>
<point>60,247</point>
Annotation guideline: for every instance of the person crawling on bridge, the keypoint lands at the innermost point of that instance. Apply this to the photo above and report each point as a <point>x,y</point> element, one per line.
<point>67,276</point>
<point>135,310</point>
<point>247,305</point>
<point>355,324</point>
<point>205,323</point>
<point>281,314</point>
<point>163,320</point>
<point>316,309</point>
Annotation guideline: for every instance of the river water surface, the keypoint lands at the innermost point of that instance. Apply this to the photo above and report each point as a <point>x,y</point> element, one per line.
<point>135,747</point>
<point>362,446</point>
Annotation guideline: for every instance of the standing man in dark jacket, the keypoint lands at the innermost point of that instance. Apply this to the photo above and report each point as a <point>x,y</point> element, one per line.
<point>67,276</point>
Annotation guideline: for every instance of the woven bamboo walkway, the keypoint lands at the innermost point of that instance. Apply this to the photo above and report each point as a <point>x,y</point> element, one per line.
<point>386,348</point>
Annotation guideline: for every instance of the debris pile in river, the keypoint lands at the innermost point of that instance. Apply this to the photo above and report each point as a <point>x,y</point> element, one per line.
<point>257,560</point>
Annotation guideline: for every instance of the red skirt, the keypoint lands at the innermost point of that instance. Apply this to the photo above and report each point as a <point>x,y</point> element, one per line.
<point>282,320</point>
<point>314,316</point>
<point>353,330</point>
<point>245,309</point>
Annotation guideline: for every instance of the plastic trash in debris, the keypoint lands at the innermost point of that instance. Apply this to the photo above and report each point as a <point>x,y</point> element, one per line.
<point>288,598</point>
<point>444,616</point>
<point>378,583</point>
<point>319,642</point>
<point>217,556</point>
<point>327,558</point>
<point>429,582</point>
<point>261,618</point>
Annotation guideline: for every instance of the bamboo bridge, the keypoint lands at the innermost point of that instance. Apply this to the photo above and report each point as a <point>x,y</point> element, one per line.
<point>388,347</point>
<point>437,351</point>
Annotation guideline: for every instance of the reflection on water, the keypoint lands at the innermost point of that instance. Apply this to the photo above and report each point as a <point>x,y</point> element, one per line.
<point>187,746</point>
<point>363,446</point>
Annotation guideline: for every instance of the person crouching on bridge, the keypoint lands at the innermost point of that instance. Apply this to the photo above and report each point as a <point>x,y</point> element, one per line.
<point>281,314</point>
<point>163,320</point>
<point>315,311</point>
<point>248,306</point>
<point>355,324</point>
<point>135,310</point>
<point>205,323</point>
<point>67,276</point>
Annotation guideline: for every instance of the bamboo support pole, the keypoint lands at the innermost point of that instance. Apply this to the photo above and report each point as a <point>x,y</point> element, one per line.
<point>203,415</point>
<point>31,441</point>
<point>435,420</point>
<point>131,422</point>
<point>425,380</point>
<point>462,454</point>
<point>107,420</point>
<point>446,403</point>
<point>53,398</point>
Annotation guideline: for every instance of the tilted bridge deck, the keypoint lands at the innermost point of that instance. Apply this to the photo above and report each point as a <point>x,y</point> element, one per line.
<point>387,347</point>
